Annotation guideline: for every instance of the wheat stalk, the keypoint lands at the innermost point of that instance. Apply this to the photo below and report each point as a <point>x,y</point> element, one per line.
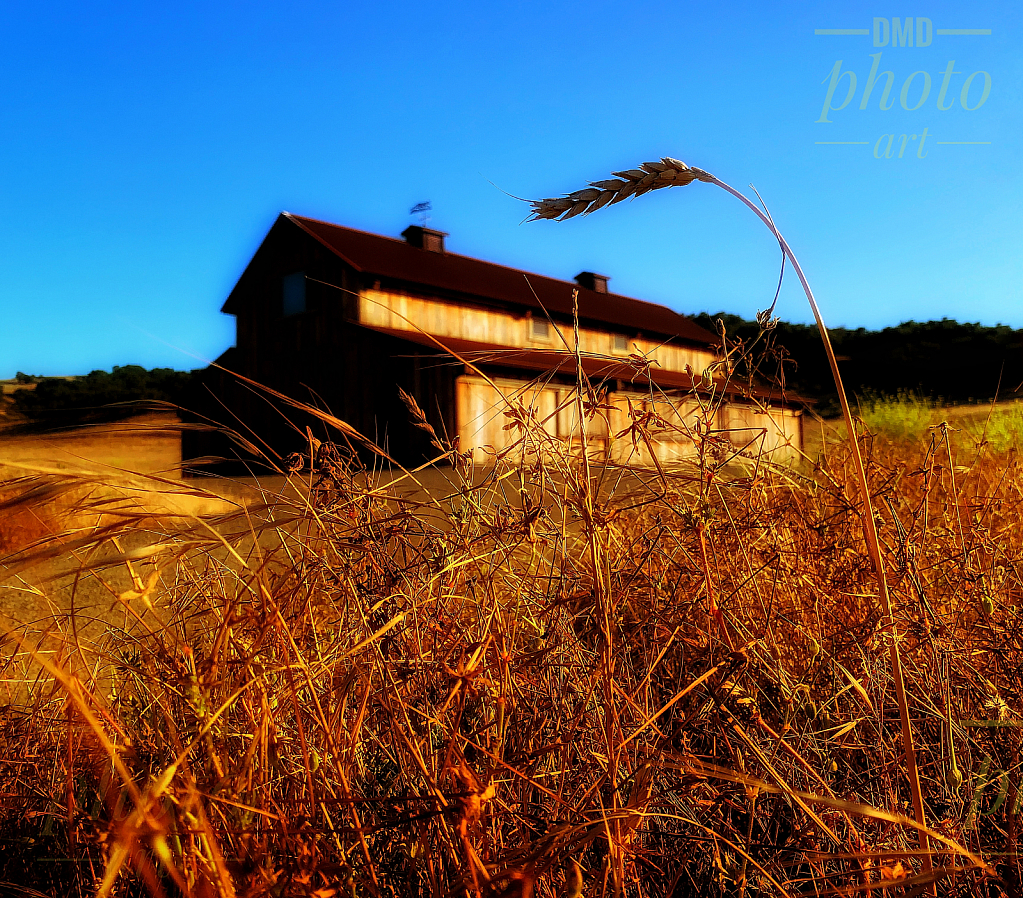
<point>673,172</point>
<point>634,182</point>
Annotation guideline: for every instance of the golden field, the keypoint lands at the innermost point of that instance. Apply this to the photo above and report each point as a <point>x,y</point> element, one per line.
<point>547,676</point>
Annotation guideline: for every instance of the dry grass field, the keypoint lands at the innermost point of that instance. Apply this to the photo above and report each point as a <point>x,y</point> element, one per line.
<point>547,677</point>
<point>55,486</point>
<point>148,444</point>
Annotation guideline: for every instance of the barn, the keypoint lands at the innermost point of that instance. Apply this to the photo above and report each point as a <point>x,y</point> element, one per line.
<point>341,319</point>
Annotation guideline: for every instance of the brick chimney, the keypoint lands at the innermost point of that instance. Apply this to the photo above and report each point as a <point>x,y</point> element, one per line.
<point>424,238</point>
<point>595,282</point>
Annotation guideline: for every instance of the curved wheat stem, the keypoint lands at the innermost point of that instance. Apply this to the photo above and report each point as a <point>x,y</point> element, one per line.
<point>672,173</point>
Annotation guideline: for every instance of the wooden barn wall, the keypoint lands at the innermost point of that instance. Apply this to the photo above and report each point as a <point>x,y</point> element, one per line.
<point>750,429</point>
<point>399,311</point>
<point>487,408</point>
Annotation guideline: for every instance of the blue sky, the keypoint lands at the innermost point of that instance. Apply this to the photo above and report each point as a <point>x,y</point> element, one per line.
<point>148,148</point>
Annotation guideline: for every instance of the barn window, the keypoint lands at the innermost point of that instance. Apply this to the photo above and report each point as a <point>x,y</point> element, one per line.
<point>293,293</point>
<point>539,328</point>
<point>619,343</point>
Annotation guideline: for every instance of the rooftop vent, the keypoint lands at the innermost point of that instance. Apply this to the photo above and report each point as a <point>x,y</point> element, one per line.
<point>424,238</point>
<point>595,282</point>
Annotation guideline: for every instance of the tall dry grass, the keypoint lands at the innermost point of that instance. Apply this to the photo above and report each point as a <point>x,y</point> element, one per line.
<point>672,172</point>
<point>548,676</point>
<point>536,680</point>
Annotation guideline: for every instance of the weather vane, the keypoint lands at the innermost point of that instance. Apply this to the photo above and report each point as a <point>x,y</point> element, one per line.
<point>422,210</point>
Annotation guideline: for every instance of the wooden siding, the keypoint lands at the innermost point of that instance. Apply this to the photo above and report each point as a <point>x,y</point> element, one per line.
<point>778,432</point>
<point>399,311</point>
<point>491,415</point>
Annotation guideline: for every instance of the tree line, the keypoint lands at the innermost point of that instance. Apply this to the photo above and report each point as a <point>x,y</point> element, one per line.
<point>942,360</point>
<point>101,395</point>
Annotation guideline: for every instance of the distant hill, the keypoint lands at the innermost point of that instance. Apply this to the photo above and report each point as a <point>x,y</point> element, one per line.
<point>95,397</point>
<point>943,360</point>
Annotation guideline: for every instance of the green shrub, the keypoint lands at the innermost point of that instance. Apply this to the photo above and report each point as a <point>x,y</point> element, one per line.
<point>1002,431</point>
<point>902,417</point>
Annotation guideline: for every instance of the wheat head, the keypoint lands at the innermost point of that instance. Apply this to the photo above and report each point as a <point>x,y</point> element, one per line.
<point>634,182</point>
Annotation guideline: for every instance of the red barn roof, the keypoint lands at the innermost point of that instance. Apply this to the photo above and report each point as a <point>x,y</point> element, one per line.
<point>397,260</point>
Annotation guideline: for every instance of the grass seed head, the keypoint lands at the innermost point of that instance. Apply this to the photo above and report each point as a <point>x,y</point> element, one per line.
<point>632,183</point>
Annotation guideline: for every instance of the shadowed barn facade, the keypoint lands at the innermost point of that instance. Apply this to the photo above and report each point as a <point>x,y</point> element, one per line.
<point>341,319</point>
